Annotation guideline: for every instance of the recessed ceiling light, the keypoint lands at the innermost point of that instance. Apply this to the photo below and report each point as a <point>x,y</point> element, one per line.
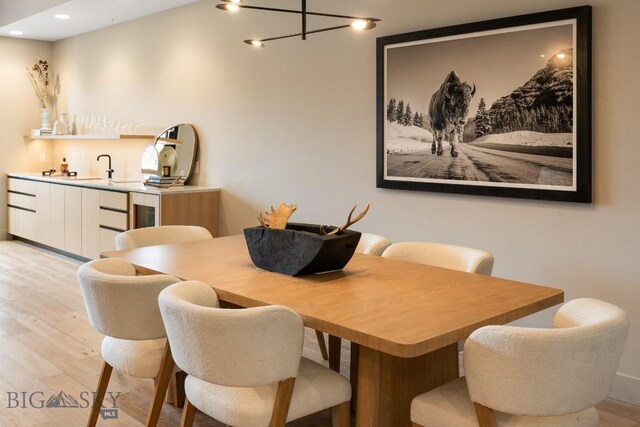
<point>62,16</point>
<point>16,33</point>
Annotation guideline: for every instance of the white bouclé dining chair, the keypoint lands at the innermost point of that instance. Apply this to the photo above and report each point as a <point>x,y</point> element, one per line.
<point>244,366</point>
<point>442,255</point>
<point>165,234</point>
<point>519,376</point>
<point>124,308</point>
<point>372,244</point>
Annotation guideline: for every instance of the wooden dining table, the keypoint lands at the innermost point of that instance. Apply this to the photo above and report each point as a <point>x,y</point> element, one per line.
<point>404,319</point>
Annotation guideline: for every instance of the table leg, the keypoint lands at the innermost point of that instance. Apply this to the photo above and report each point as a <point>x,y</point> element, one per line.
<point>335,347</point>
<point>387,384</point>
<point>353,375</point>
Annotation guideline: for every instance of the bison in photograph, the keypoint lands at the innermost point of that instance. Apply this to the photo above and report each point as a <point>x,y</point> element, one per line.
<point>448,112</point>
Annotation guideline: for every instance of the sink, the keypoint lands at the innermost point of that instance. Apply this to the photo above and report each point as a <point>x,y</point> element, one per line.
<point>77,178</point>
<point>126,181</point>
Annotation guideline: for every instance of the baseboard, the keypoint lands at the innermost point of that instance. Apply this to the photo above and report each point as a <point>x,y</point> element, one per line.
<point>626,389</point>
<point>3,234</point>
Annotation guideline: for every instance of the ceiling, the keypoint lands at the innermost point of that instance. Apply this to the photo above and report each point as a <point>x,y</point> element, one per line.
<point>36,18</point>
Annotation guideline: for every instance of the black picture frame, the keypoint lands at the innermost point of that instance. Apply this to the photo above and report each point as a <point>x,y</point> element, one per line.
<point>418,170</point>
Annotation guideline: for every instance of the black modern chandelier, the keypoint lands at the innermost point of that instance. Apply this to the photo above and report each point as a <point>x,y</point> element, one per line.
<point>357,22</point>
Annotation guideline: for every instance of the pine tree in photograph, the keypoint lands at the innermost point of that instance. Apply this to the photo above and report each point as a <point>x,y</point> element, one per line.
<point>400,112</point>
<point>483,121</point>
<point>408,116</point>
<point>417,119</point>
<point>391,110</point>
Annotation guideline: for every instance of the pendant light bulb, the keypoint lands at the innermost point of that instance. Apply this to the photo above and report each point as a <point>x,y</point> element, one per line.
<point>362,24</point>
<point>228,7</point>
<point>254,43</point>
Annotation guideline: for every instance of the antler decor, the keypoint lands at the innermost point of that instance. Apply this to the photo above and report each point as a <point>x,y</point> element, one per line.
<point>350,221</point>
<point>278,217</point>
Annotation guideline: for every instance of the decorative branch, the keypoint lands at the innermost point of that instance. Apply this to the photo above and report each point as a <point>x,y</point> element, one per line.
<point>39,77</point>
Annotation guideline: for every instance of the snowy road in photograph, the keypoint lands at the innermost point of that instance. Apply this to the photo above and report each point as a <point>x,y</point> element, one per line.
<point>476,163</point>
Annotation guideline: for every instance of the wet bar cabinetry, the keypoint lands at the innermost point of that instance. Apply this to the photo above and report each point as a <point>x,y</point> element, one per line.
<point>82,217</point>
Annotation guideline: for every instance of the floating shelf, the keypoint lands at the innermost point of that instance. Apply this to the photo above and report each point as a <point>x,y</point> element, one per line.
<point>81,137</point>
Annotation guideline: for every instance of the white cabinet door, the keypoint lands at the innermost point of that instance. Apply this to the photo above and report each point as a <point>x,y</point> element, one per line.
<point>73,219</point>
<point>43,214</point>
<point>90,223</point>
<point>56,216</point>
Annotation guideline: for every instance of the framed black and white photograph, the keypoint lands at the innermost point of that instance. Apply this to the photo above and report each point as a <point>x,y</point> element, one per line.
<point>497,108</point>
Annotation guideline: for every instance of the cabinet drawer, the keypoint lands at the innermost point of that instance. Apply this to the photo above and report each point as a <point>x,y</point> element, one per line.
<point>22,186</point>
<point>22,223</point>
<point>21,201</point>
<point>108,240</point>
<point>112,219</point>
<point>113,200</point>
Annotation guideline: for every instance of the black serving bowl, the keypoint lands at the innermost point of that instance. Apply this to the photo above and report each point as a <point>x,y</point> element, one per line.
<point>300,248</point>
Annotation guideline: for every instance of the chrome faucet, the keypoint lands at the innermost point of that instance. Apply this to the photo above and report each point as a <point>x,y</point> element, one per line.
<point>110,170</point>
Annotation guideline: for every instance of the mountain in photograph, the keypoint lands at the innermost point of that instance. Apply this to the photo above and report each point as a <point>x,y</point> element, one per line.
<point>62,400</point>
<point>543,104</point>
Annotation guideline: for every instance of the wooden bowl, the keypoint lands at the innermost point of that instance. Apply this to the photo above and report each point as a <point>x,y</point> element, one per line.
<point>300,248</point>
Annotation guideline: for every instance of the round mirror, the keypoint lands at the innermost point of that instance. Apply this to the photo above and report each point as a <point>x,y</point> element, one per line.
<point>150,162</point>
<point>176,149</point>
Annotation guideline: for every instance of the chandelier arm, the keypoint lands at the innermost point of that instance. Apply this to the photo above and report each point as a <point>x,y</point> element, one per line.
<point>304,19</point>
<point>321,30</point>
<point>299,12</point>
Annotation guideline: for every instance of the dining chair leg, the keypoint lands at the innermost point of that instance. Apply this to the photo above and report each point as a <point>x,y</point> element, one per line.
<point>340,415</point>
<point>103,382</point>
<point>188,414</point>
<point>175,390</point>
<point>322,345</point>
<point>335,348</point>
<point>178,388</point>
<point>161,382</point>
<point>281,405</point>
<point>485,415</point>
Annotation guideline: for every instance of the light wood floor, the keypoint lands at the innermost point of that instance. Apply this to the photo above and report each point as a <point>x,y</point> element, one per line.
<point>47,345</point>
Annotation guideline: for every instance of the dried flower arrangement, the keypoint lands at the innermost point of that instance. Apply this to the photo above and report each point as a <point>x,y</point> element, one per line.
<point>39,77</point>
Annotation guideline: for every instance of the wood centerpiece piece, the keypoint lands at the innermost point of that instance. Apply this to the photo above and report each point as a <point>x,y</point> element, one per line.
<point>296,249</point>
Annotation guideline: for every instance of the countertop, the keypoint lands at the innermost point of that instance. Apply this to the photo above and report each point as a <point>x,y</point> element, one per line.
<point>121,185</point>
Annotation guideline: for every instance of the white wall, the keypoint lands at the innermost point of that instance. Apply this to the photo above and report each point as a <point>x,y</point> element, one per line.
<point>295,122</point>
<point>19,112</point>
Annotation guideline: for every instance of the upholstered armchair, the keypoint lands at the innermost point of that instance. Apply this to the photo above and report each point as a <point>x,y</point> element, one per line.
<point>372,244</point>
<point>244,366</point>
<point>533,377</point>
<point>124,308</point>
<point>151,236</point>
<point>442,255</point>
